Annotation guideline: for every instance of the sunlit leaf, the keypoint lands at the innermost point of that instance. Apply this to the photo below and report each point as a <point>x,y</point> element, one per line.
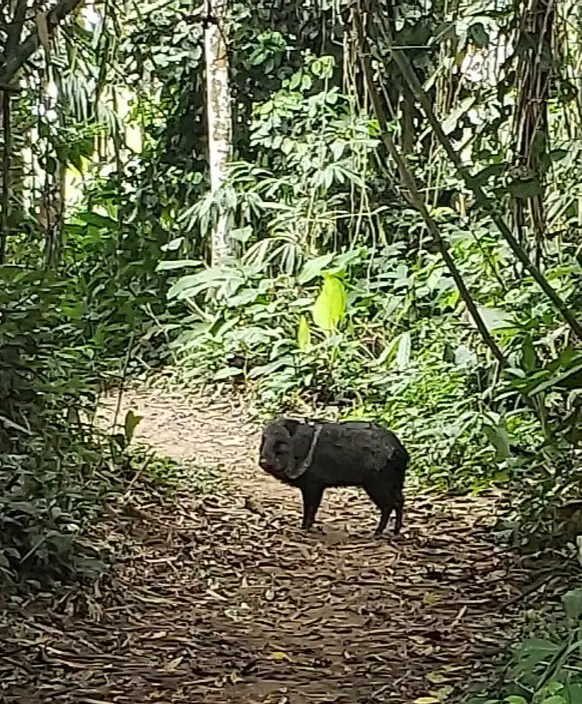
<point>404,349</point>
<point>178,264</point>
<point>279,656</point>
<point>303,333</point>
<point>227,373</point>
<point>450,123</point>
<point>330,305</point>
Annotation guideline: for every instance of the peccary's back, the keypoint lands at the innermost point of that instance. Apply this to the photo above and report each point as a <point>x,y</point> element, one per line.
<point>356,452</point>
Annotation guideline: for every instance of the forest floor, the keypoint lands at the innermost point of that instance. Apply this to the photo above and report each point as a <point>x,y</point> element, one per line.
<point>221,598</point>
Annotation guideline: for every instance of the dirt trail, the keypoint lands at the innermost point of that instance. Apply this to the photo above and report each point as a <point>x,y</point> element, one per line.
<point>223,599</point>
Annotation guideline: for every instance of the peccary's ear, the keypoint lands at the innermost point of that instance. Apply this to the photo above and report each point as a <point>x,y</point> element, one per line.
<point>290,425</point>
<point>301,441</point>
<point>301,435</point>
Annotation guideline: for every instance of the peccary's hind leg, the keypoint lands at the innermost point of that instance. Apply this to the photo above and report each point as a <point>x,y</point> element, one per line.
<point>386,511</point>
<point>384,499</point>
<point>399,513</point>
<point>312,495</point>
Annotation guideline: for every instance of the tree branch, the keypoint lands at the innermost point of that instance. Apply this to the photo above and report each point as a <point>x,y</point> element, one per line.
<point>15,29</point>
<point>416,200</point>
<point>27,48</point>
<point>410,77</point>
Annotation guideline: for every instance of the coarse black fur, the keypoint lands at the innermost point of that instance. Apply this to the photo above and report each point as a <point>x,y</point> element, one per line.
<point>354,453</point>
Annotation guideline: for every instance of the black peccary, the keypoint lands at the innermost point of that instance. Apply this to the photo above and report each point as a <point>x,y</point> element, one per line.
<point>313,456</point>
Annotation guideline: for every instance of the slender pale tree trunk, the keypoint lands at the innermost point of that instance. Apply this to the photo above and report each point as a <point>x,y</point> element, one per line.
<point>219,115</point>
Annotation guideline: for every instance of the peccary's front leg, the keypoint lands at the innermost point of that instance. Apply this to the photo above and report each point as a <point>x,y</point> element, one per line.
<point>312,495</point>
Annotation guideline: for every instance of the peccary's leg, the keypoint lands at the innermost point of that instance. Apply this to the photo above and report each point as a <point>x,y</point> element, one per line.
<point>399,513</point>
<point>312,495</point>
<point>386,511</point>
<point>384,499</point>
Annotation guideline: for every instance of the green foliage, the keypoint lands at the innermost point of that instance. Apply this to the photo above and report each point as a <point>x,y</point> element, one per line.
<point>48,384</point>
<point>357,346</point>
<point>548,670</point>
<point>334,297</point>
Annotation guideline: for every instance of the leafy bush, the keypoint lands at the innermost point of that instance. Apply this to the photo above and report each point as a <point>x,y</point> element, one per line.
<point>548,670</point>
<point>49,461</point>
<point>346,334</point>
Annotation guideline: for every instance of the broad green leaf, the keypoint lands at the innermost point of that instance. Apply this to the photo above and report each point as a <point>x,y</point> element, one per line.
<point>389,351</point>
<point>528,354</point>
<point>243,298</point>
<point>192,284</point>
<point>524,189</point>
<point>478,35</point>
<point>131,422</point>
<point>241,234</point>
<point>573,604</point>
<point>303,333</point>
<point>271,367</point>
<point>337,148</point>
<point>573,693</point>
<point>98,220</point>
<point>24,507</point>
<point>173,245</point>
<point>341,261</point>
<point>558,154</point>
<point>498,437</point>
<point>488,172</point>
<point>538,645</point>
<point>14,426</point>
<point>313,268</point>
<point>554,381</point>
<point>494,318</point>
<point>330,306</point>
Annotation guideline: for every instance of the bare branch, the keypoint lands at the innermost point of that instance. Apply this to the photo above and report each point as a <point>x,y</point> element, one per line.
<point>15,29</point>
<point>408,74</point>
<point>415,199</point>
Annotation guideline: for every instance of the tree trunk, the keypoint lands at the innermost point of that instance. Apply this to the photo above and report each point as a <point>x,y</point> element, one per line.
<point>219,116</point>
